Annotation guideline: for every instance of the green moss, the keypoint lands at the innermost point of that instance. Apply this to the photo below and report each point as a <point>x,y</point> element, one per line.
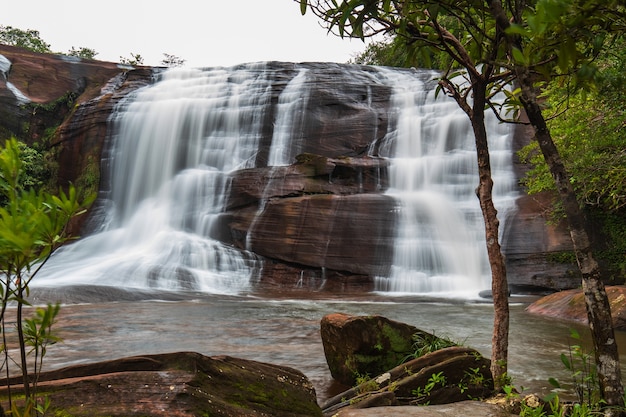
<point>563,257</point>
<point>397,342</point>
<point>88,182</point>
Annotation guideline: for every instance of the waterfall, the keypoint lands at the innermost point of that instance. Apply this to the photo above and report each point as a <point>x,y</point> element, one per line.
<point>440,242</point>
<point>175,143</point>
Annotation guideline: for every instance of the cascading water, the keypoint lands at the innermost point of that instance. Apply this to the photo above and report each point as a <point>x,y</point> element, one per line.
<point>175,143</point>
<point>440,241</point>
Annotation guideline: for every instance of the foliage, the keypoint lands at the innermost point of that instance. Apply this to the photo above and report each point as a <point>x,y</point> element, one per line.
<point>424,343</point>
<point>172,61</point>
<point>82,52</point>
<point>582,370</point>
<point>394,52</point>
<point>28,39</point>
<point>32,225</point>
<point>135,59</point>
<point>422,393</point>
<point>590,136</point>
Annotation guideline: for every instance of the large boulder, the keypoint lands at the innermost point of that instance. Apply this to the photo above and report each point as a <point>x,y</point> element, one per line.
<point>570,305</point>
<point>176,385</point>
<point>359,346</point>
<point>444,376</point>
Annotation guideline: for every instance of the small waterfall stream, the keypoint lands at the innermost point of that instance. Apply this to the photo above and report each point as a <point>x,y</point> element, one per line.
<point>440,242</point>
<point>176,141</point>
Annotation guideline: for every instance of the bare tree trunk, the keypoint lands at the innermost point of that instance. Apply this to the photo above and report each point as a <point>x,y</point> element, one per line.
<point>499,284</point>
<point>596,300</point>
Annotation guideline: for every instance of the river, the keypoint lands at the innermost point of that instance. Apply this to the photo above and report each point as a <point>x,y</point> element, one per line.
<point>285,330</point>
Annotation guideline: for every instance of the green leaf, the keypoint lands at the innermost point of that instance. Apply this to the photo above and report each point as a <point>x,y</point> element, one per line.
<point>554,383</point>
<point>303,6</point>
<point>518,56</point>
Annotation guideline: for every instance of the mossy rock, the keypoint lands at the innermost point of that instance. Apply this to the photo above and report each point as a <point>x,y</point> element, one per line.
<point>359,346</point>
<point>183,384</point>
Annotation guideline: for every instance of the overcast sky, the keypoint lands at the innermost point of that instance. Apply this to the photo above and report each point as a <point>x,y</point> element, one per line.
<point>202,32</point>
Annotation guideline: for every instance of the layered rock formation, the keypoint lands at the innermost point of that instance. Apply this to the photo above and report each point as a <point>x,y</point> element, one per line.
<point>304,217</point>
<point>181,384</point>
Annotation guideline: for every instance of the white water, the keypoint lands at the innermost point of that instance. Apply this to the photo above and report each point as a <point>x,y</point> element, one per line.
<point>5,67</point>
<point>440,244</point>
<point>176,142</point>
<point>291,107</point>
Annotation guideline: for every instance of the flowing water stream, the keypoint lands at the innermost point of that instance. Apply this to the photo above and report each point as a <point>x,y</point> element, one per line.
<point>286,331</point>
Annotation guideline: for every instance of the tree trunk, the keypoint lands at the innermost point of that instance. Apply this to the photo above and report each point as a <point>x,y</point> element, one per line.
<point>596,300</point>
<point>499,285</point>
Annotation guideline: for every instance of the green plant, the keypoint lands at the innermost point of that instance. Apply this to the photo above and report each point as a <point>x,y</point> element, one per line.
<point>424,343</point>
<point>366,384</point>
<point>422,393</point>
<point>579,363</point>
<point>32,225</point>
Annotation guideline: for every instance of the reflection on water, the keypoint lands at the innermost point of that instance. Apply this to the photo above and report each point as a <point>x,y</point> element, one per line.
<point>286,331</point>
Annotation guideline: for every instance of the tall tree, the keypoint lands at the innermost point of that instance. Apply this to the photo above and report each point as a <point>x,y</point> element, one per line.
<point>523,43</point>
<point>437,31</point>
<point>553,39</point>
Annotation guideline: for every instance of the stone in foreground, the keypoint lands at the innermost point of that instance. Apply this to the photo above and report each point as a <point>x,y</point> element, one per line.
<point>465,409</point>
<point>367,345</point>
<point>445,376</point>
<point>181,384</point>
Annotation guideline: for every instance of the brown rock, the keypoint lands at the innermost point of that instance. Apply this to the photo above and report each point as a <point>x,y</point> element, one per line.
<point>365,345</point>
<point>180,385</point>
<point>345,233</point>
<point>444,376</point>
<point>464,409</point>
<point>570,305</point>
<point>531,241</point>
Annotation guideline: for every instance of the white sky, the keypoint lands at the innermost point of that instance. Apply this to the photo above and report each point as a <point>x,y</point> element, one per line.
<point>205,33</point>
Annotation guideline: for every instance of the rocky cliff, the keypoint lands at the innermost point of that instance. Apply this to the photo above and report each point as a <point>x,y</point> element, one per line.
<point>312,209</point>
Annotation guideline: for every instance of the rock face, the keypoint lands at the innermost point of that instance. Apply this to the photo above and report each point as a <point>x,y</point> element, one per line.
<point>301,219</point>
<point>177,385</point>
<point>570,305</point>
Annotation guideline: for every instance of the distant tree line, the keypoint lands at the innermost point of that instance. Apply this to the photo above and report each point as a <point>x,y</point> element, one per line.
<point>31,40</point>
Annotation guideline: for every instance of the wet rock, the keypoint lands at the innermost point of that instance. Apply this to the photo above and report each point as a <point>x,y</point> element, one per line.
<point>570,305</point>
<point>363,345</point>
<point>369,345</point>
<point>445,376</point>
<point>341,232</point>
<point>178,385</point>
<point>531,244</point>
